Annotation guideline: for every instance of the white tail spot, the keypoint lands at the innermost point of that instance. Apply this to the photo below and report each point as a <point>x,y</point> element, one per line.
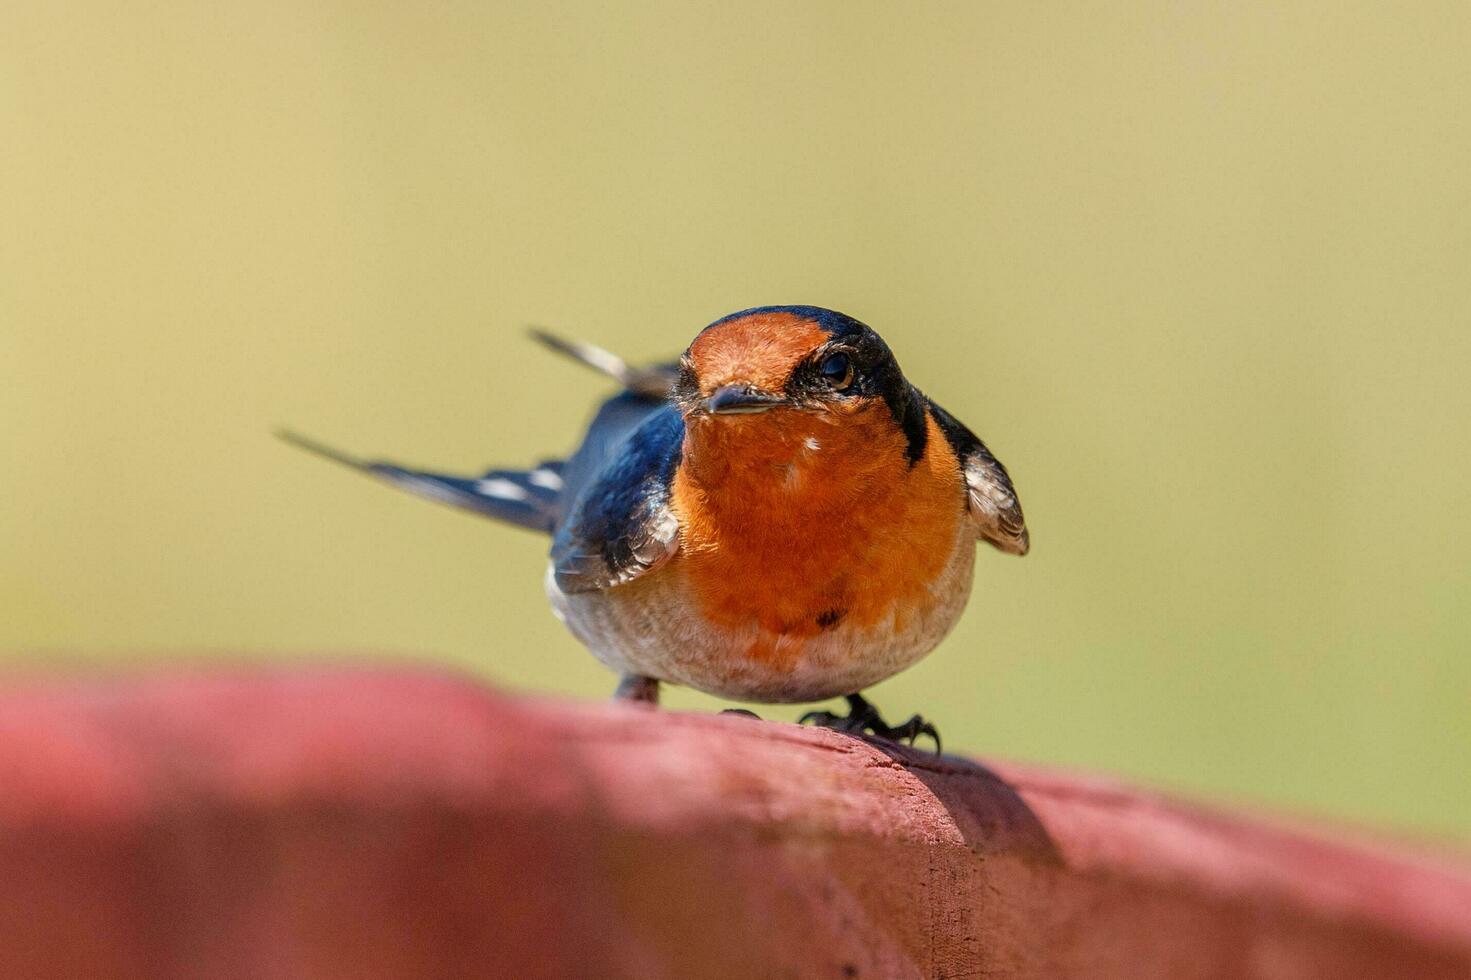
<point>501,488</point>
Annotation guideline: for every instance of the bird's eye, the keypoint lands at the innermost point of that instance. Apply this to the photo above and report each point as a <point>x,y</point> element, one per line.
<point>837,369</point>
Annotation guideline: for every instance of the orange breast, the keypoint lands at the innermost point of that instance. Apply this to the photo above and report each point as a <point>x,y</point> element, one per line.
<point>797,522</point>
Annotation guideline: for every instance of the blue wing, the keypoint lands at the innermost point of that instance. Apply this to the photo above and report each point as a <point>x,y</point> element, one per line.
<point>618,524</point>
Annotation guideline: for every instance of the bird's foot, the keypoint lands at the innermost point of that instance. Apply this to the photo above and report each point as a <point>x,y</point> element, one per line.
<point>863,718</point>
<point>637,689</point>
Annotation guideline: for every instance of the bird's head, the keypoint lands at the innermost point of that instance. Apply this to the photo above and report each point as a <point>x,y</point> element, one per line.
<point>796,398</point>
<point>789,370</point>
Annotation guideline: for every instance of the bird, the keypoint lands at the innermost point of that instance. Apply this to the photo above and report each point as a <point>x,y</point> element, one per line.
<point>778,517</point>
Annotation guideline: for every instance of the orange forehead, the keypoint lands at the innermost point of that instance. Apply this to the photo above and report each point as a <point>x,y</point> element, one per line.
<point>760,349</point>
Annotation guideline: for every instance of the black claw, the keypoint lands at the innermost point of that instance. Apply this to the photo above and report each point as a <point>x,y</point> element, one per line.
<point>912,729</point>
<point>863,718</point>
<point>823,719</point>
<point>741,713</point>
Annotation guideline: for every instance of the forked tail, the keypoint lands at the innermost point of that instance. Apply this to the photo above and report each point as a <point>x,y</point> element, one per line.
<point>526,498</point>
<point>531,498</point>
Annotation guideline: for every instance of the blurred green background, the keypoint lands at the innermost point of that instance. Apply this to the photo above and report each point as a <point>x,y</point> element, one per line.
<point>1200,273</point>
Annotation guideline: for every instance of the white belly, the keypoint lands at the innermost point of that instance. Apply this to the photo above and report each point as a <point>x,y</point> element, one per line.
<point>653,627</point>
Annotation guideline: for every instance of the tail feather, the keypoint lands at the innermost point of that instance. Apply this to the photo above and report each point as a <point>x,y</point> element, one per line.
<point>531,498</point>
<point>527,498</point>
<point>653,381</point>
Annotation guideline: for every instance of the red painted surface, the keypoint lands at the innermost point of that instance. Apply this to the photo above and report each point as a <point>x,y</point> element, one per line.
<point>374,824</point>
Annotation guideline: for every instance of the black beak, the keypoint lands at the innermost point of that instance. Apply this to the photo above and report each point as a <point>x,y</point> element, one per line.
<point>741,400</point>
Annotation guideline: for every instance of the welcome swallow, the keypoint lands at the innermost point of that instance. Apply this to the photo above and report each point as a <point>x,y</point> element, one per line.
<point>779,517</point>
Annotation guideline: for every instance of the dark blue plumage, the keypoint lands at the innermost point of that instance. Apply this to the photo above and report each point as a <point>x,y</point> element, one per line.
<point>615,420</point>
<point>614,520</point>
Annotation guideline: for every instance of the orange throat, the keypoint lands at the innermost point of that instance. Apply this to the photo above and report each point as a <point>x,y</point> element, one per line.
<point>798,521</point>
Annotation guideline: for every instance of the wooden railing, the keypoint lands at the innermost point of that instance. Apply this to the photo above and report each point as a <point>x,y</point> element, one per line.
<point>363,824</point>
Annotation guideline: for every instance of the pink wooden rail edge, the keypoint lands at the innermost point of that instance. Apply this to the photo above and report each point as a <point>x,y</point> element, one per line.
<point>370,823</point>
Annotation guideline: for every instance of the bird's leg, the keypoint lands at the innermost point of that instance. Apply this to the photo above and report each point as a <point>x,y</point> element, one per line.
<point>638,689</point>
<point>863,717</point>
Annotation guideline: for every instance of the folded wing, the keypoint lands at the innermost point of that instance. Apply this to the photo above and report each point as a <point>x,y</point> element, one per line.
<point>620,525</point>
<point>990,497</point>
